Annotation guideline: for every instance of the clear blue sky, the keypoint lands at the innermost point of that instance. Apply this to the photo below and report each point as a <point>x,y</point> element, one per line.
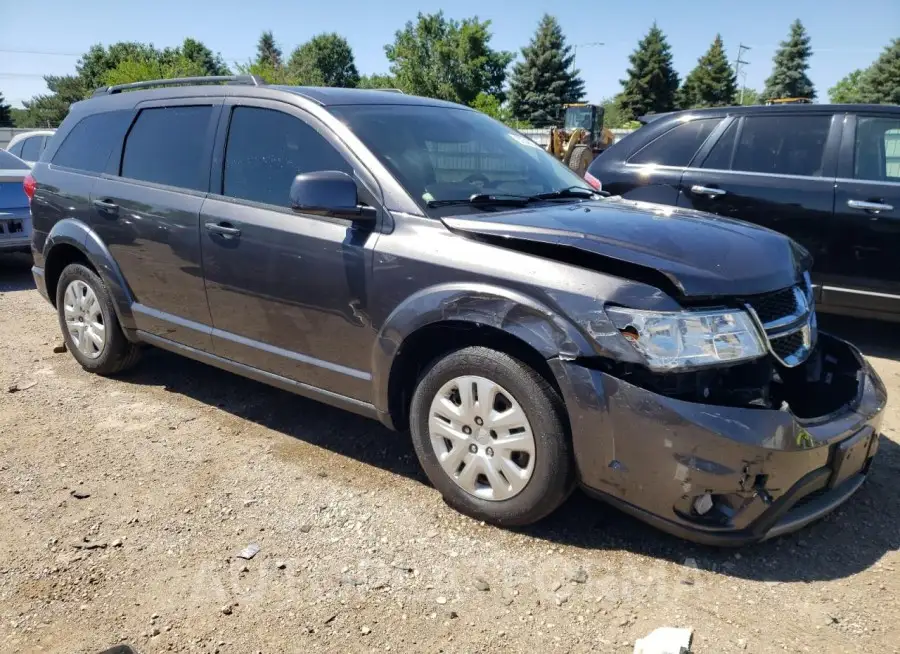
<point>845,35</point>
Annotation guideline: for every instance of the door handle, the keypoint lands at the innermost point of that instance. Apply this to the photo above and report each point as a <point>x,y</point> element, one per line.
<point>106,207</point>
<point>696,189</point>
<point>223,229</point>
<point>874,207</point>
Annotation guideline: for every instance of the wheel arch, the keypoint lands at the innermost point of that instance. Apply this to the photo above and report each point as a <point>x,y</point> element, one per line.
<point>441,319</point>
<point>72,241</point>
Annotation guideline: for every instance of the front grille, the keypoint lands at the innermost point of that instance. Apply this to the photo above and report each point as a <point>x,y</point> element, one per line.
<point>775,306</point>
<point>788,345</point>
<point>788,319</point>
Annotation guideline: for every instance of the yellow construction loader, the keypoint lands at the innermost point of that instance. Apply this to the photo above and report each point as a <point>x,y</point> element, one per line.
<point>581,138</point>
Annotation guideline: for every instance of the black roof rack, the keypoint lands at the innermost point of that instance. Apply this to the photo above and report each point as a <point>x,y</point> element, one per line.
<point>252,80</point>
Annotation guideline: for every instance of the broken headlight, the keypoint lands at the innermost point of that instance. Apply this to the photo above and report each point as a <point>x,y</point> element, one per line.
<point>689,339</point>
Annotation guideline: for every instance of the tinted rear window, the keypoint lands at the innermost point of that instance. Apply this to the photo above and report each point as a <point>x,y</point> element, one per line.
<point>784,145</point>
<point>32,147</point>
<point>9,162</point>
<point>677,146</point>
<point>169,145</point>
<point>88,146</point>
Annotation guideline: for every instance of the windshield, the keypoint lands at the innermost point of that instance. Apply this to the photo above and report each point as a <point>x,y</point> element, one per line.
<point>11,162</point>
<point>578,117</point>
<point>441,154</point>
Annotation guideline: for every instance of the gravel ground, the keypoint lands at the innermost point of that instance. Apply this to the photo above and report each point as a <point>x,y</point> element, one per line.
<point>125,503</point>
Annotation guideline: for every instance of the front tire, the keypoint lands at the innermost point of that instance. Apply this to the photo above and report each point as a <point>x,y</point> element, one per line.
<point>89,324</point>
<point>491,435</point>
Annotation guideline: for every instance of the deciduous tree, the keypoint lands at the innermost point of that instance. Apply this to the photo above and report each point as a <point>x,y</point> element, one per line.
<point>324,60</point>
<point>447,59</point>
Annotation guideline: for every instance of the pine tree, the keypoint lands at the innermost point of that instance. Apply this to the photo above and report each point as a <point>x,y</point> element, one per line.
<point>789,78</point>
<point>267,52</point>
<point>652,81</point>
<point>5,113</point>
<point>880,84</point>
<point>545,80</point>
<point>712,83</point>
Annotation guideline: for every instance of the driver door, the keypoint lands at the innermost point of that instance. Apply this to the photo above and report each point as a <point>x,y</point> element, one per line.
<point>287,291</point>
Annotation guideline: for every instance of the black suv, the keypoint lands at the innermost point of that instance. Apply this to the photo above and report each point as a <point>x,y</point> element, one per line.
<point>419,263</point>
<point>828,176</point>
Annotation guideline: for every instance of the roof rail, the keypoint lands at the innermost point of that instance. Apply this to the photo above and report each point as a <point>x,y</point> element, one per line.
<point>392,91</point>
<point>251,80</point>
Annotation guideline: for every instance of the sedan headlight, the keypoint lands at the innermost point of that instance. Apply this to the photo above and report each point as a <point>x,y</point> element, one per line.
<point>689,339</point>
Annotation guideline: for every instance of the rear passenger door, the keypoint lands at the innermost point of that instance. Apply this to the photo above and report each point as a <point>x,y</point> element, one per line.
<point>867,217</point>
<point>147,211</point>
<point>653,173</point>
<point>772,169</point>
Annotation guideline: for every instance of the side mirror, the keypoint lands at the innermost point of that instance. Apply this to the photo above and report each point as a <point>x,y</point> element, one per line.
<point>329,193</point>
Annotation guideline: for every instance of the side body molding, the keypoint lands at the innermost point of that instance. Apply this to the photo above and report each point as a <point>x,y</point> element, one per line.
<point>70,231</point>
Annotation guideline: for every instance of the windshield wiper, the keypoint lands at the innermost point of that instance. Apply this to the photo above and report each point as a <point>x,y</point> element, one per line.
<point>579,192</point>
<point>569,192</point>
<point>483,199</point>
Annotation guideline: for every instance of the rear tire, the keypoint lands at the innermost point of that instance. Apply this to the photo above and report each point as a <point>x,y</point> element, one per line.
<point>89,323</point>
<point>515,463</point>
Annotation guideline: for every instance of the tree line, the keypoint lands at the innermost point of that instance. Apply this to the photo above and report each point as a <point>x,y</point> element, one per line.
<point>453,60</point>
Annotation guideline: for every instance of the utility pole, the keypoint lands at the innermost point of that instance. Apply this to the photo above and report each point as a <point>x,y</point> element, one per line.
<point>737,68</point>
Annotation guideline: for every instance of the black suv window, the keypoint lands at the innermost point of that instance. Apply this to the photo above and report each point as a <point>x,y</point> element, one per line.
<point>266,149</point>
<point>32,147</point>
<point>88,145</point>
<point>785,145</point>
<point>877,149</point>
<point>168,145</point>
<point>719,158</point>
<point>677,146</point>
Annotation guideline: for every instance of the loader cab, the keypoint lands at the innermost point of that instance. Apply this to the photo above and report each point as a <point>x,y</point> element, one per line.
<point>588,117</point>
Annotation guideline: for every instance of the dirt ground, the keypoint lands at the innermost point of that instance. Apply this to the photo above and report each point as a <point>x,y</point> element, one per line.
<point>124,504</point>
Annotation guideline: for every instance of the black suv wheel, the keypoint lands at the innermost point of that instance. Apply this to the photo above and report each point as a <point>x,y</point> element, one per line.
<point>89,323</point>
<point>490,434</point>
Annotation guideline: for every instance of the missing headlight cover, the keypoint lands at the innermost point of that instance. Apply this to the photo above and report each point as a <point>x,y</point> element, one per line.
<point>689,339</point>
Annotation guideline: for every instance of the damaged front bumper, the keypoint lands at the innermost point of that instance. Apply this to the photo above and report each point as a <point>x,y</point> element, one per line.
<point>766,472</point>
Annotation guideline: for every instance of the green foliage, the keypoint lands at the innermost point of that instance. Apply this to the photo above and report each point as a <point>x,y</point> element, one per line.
<point>613,116</point>
<point>447,59</point>
<point>544,80</point>
<point>750,97</point>
<point>789,78</point>
<point>377,81</point>
<point>847,90</point>
<point>267,52</point>
<point>880,84</point>
<point>712,83</point>
<point>5,113</point>
<point>140,70</point>
<point>122,62</point>
<point>652,81</point>
<point>210,64</point>
<point>18,116</point>
<point>324,60</point>
<point>265,70</point>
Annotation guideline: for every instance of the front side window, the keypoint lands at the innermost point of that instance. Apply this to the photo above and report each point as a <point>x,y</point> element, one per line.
<point>780,144</point>
<point>445,154</point>
<point>677,146</point>
<point>169,145</point>
<point>877,149</point>
<point>16,149</point>
<point>87,147</point>
<point>266,149</point>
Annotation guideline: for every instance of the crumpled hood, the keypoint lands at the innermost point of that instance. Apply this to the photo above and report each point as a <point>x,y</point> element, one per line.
<point>699,253</point>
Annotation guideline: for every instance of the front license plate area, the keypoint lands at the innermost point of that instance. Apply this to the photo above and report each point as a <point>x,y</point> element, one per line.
<point>850,456</point>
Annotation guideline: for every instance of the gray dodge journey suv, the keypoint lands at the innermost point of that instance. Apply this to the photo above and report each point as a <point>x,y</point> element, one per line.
<point>416,262</point>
